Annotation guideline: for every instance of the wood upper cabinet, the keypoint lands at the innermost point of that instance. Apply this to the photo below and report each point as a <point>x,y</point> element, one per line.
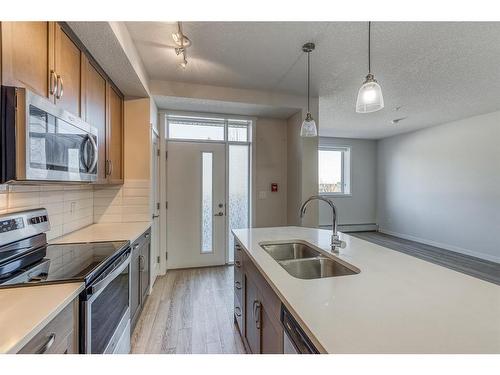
<point>46,58</point>
<point>41,57</point>
<point>115,136</point>
<point>95,113</point>
<point>27,56</point>
<point>68,69</point>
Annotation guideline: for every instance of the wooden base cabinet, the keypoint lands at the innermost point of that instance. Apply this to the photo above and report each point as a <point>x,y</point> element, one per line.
<point>59,336</point>
<point>257,313</point>
<point>139,276</point>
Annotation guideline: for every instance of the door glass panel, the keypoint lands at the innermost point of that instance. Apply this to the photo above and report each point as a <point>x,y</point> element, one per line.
<point>107,311</point>
<point>237,130</point>
<point>195,128</point>
<point>239,188</point>
<point>207,202</point>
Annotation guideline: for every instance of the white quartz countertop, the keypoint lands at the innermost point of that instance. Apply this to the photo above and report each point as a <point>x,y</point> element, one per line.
<point>106,232</point>
<point>26,310</point>
<point>397,304</point>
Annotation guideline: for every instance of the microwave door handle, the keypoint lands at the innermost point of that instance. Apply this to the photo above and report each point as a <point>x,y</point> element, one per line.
<point>95,156</point>
<point>84,154</point>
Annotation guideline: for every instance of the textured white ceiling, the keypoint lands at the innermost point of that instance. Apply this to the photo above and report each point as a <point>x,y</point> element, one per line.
<point>223,107</point>
<point>435,71</point>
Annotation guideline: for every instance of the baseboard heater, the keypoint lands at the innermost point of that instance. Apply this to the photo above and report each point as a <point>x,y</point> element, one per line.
<point>347,228</point>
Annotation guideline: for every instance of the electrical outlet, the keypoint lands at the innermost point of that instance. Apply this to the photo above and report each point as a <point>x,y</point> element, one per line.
<point>72,208</point>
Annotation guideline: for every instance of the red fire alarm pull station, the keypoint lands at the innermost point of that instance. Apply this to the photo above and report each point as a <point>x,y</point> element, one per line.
<point>274,187</point>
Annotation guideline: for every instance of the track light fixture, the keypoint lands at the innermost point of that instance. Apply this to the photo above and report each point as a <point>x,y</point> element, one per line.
<point>182,42</point>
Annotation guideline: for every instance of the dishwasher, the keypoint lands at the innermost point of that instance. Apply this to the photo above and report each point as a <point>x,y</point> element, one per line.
<point>295,341</point>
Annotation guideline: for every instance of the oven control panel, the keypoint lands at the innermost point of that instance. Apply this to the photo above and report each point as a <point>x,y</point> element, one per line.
<point>11,224</point>
<point>15,226</point>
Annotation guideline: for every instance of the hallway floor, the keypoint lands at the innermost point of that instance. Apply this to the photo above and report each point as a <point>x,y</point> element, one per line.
<point>189,311</point>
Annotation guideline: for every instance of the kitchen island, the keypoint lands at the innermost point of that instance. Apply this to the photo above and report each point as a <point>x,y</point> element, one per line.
<point>396,304</point>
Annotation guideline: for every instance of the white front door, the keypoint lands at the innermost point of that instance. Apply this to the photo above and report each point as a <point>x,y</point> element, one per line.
<point>155,227</point>
<point>196,194</point>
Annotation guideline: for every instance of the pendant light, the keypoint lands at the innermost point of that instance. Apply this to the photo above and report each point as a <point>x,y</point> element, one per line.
<point>370,98</point>
<point>308,128</point>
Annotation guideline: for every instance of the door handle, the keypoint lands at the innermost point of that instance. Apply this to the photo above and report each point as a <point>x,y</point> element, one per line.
<point>52,82</point>
<point>47,345</point>
<point>60,87</point>
<point>219,214</point>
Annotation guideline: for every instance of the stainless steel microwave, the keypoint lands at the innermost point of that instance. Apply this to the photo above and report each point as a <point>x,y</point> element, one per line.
<point>42,142</point>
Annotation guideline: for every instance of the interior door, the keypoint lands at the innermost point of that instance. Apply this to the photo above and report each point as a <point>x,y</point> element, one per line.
<point>155,230</point>
<point>196,191</point>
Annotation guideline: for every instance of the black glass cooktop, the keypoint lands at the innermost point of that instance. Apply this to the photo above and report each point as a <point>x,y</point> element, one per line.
<point>64,262</point>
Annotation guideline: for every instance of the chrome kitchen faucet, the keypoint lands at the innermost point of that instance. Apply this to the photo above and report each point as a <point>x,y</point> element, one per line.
<point>336,243</point>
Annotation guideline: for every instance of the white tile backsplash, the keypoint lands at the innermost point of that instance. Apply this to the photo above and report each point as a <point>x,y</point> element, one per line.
<point>71,207</point>
<point>58,200</point>
<point>126,203</point>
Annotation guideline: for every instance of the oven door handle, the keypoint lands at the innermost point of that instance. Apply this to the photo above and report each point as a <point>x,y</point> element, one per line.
<point>111,276</point>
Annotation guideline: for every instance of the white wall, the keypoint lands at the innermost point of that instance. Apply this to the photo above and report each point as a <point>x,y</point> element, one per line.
<point>441,186</point>
<point>271,167</point>
<point>360,206</point>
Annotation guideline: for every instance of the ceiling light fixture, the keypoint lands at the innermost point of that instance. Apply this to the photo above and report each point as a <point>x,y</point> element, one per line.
<point>182,42</point>
<point>370,98</point>
<point>308,128</point>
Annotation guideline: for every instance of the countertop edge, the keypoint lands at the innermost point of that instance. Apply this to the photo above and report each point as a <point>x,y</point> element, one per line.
<point>47,319</point>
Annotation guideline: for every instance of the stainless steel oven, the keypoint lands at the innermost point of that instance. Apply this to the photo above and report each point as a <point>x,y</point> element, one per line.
<point>105,310</point>
<point>41,142</point>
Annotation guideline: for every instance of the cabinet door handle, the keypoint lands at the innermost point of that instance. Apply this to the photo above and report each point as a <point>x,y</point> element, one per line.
<point>141,263</point>
<point>237,310</point>
<point>47,345</point>
<point>237,247</point>
<point>110,167</point>
<point>237,284</point>
<point>256,314</point>
<point>60,87</point>
<point>146,235</point>
<point>52,82</point>
<point>237,263</point>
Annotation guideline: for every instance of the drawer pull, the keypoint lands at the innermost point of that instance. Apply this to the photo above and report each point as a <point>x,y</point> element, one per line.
<point>237,311</point>
<point>146,235</point>
<point>237,284</point>
<point>136,246</point>
<point>237,263</point>
<point>43,349</point>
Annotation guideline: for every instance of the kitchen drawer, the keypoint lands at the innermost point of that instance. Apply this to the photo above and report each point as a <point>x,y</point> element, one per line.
<point>238,312</point>
<point>59,336</point>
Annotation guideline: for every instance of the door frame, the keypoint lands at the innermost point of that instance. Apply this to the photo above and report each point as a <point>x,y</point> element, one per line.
<point>163,121</point>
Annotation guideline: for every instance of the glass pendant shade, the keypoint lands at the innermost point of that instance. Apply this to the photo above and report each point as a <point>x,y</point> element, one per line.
<point>370,98</point>
<point>308,128</point>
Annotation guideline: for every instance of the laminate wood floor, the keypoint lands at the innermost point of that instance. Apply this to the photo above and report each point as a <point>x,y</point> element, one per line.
<point>189,311</point>
<point>472,266</point>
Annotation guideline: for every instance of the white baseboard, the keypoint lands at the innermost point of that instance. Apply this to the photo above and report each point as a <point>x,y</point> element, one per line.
<point>456,249</point>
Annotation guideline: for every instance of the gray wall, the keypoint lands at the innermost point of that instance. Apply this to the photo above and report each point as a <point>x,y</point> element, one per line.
<point>441,186</point>
<point>360,206</point>
<point>271,166</point>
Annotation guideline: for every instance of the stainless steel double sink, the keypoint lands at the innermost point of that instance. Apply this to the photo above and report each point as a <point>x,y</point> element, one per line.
<point>305,262</point>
